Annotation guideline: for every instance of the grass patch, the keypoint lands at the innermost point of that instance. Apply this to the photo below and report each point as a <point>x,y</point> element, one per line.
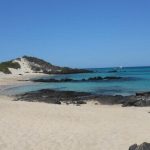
<point>8,64</point>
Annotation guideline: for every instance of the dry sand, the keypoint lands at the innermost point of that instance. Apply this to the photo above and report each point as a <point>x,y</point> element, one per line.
<point>14,80</point>
<point>40,126</point>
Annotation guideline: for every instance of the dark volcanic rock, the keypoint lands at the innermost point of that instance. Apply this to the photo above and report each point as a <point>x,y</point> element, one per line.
<point>143,94</point>
<point>113,78</point>
<point>72,97</point>
<point>67,70</point>
<point>55,97</point>
<point>95,78</point>
<point>58,102</point>
<point>138,101</point>
<point>81,102</point>
<point>110,100</point>
<point>133,147</point>
<point>144,146</point>
<point>53,80</point>
<point>82,80</point>
<point>126,101</point>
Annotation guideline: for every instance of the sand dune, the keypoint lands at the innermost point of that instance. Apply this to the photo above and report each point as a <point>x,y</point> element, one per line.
<point>40,126</point>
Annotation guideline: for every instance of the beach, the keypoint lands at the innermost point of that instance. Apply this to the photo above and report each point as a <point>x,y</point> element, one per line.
<point>74,75</point>
<point>37,126</point>
<point>14,80</point>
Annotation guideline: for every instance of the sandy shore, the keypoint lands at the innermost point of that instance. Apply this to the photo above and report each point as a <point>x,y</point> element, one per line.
<point>9,80</point>
<point>41,126</point>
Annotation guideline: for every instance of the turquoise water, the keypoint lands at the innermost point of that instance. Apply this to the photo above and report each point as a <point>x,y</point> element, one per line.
<point>138,80</point>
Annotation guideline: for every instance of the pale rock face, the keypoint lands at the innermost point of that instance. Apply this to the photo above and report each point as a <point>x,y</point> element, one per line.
<point>25,67</point>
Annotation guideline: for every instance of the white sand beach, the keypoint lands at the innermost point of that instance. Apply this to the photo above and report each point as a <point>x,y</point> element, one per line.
<point>41,126</point>
<point>14,80</point>
<point>74,75</point>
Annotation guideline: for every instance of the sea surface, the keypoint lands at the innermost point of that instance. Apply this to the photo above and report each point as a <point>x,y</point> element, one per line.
<point>137,79</point>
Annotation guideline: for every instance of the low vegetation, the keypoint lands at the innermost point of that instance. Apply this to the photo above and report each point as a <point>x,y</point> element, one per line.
<point>8,64</point>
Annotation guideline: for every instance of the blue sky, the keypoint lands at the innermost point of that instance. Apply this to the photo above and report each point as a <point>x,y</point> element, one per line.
<point>77,33</point>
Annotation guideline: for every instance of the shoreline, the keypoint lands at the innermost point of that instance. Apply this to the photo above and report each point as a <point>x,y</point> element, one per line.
<point>38,125</point>
<point>10,81</point>
<point>68,97</point>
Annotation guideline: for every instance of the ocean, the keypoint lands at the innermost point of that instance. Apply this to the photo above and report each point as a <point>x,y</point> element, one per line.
<point>137,79</point>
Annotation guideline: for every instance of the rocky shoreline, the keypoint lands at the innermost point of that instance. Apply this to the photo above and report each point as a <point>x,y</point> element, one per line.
<point>78,98</point>
<point>91,79</point>
<point>144,146</point>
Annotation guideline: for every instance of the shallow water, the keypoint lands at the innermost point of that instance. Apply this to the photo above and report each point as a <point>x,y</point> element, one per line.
<point>138,80</point>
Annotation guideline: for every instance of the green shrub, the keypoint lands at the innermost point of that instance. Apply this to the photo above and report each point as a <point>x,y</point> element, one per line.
<point>8,64</point>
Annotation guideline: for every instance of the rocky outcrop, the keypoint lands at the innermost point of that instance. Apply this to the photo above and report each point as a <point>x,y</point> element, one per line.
<point>144,146</point>
<point>67,70</point>
<point>82,80</point>
<point>55,97</point>
<point>126,101</point>
<point>143,94</point>
<point>68,97</point>
<point>137,103</point>
<point>112,78</point>
<point>72,97</point>
<point>54,80</point>
<point>139,100</point>
<point>110,100</point>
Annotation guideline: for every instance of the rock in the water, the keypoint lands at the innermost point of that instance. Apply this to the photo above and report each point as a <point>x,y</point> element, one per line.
<point>144,146</point>
<point>112,78</point>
